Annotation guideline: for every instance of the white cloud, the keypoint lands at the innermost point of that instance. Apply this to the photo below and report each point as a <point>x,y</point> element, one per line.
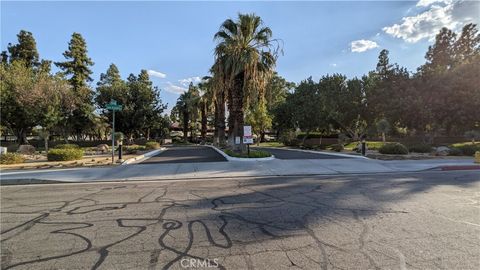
<point>175,89</point>
<point>362,45</point>
<point>450,14</point>
<point>426,3</point>
<point>333,65</point>
<point>157,74</point>
<point>187,81</point>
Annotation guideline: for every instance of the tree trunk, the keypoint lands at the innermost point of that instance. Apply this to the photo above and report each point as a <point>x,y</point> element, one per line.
<point>305,137</point>
<point>185,127</point>
<point>237,110</point>
<point>215,121</point>
<point>204,123</point>
<point>221,119</point>
<point>383,137</point>
<point>46,136</point>
<point>231,120</point>
<point>21,136</point>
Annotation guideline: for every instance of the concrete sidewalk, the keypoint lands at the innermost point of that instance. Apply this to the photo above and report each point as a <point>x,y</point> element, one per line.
<point>276,167</point>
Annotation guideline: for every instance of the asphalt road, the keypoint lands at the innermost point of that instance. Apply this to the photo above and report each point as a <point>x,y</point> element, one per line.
<point>292,154</point>
<point>186,154</point>
<point>393,221</point>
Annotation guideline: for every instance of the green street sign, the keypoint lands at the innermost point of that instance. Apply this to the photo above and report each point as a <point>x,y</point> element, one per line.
<point>113,106</point>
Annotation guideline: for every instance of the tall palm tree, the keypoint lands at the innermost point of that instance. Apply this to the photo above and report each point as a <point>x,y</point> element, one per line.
<point>187,108</point>
<point>246,54</point>
<point>206,103</point>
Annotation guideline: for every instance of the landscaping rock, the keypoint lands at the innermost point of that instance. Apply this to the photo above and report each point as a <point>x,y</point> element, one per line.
<point>26,149</point>
<point>103,148</point>
<point>442,151</point>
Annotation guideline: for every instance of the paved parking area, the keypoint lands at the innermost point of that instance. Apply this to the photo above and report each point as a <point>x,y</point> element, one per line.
<point>186,154</point>
<point>393,221</point>
<point>293,154</point>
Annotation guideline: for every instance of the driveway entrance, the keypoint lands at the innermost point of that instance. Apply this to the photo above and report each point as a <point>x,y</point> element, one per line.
<point>186,154</point>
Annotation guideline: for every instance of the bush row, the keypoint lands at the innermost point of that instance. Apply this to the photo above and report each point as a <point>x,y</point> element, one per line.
<point>11,158</point>
<point>67,154</point>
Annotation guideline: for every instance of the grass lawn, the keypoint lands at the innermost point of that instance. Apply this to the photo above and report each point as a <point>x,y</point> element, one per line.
<point>464,143</point>
<point>253,154</point>
<point>371,145</point>
<point>271,144</point>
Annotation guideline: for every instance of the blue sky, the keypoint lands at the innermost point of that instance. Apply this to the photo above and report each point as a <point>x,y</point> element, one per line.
<point>176,38</point>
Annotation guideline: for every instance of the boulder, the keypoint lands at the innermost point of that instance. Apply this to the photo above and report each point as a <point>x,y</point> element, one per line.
<point>442,151</point>
<point>102,148</point>
<point>26,149</point>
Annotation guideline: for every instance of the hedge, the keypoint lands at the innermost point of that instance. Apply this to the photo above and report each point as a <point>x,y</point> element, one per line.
<point>67,146</point>
<point>11,158</point>
<point>469,149</point>
<point>152,145</point>
<point>64,154</point>
<point>420,148</point>
<point>253,154</point>
<point>393,149</point>
<point>337,147</point>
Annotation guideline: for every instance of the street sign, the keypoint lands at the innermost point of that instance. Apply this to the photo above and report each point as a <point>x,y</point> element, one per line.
<point>247,135</point>
<point>113,106</point>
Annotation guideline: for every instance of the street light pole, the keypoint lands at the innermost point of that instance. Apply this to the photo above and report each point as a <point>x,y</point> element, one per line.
<point>113,137</point>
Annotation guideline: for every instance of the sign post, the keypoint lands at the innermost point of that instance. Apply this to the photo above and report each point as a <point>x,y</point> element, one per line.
<point>247,137</point>
<point>113,106</point>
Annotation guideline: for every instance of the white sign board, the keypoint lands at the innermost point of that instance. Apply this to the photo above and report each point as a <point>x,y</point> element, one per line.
<point>237,140</point>
<point>248,140</point>
<point>247,135</point>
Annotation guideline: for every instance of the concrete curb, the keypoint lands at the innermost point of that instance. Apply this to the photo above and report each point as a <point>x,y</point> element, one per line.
<point>229,158</point>
<point>143,157</point>
<point>318,152</point>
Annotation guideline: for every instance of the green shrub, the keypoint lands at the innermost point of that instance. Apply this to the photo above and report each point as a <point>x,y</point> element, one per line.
<point>64,154</point>
<point>393,149</point>
<point>11,158</point>
<point>152,145</point>
<point>469,149</point>
<point>454,151</point>
<point>133,149</point>
<point>253,154</point>
<point>420,148</point>
<point>67,146</point>
<point>288,138</point>
<point>337,147</point>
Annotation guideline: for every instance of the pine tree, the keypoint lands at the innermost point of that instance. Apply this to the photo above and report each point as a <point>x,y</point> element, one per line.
<point>77,67</point>
<point>78,63</point>
<point>25,50</point>
<point>440,56</point>
<point>468,44</point>
<point>383,66</point>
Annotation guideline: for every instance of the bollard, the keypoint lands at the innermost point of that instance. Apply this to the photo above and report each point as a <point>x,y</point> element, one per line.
<point>120,151</point>
<point>364,150</point>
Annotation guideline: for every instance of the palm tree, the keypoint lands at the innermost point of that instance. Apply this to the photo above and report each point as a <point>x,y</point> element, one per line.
<point>205,104</point>
<point>187,108</point>
<point>245,55</point>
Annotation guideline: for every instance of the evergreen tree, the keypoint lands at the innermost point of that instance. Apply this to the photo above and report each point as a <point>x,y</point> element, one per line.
<point>468,44</point>
<point>383,65</point>
<point>440,56</point>
<point>78,63</point>
<point>25,50</point>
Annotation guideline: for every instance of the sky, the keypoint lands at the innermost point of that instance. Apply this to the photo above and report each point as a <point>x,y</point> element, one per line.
<point>174,40</point>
